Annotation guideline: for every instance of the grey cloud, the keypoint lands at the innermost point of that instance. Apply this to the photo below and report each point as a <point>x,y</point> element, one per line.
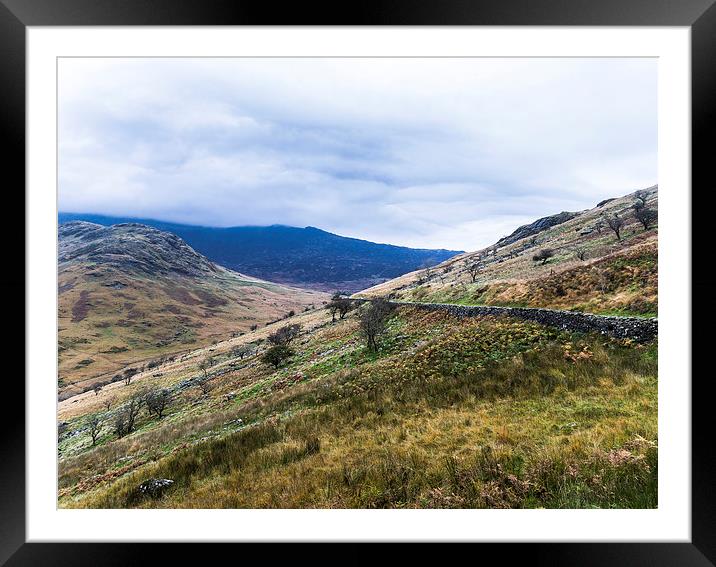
<point>449,153</point>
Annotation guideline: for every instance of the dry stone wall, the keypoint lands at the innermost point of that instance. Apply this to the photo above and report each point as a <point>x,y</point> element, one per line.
<point>636,328</point>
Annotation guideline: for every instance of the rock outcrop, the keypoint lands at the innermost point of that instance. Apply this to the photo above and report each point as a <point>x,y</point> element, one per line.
<point>154,487</point>
<point>130,247</point>
<point>536,227</point>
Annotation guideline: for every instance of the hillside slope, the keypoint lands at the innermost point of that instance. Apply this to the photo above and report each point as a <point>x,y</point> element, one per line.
<point>129,292</point>
<point>306,257</point>
<point>443,411</point>
<point>448,413</point>
<point>590,268</point>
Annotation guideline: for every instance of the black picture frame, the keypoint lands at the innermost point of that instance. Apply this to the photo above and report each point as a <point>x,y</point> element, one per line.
<point>699,15</point>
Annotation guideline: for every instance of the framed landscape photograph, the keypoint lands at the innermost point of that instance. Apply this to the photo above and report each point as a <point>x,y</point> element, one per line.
<point>378,283</point>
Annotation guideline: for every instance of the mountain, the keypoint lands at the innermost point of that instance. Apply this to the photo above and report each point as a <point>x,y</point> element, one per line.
<point>306,257</point>
<point>441,411</point>
<point>589,269</point>
<point>130,247</point>
<point>129,292</point>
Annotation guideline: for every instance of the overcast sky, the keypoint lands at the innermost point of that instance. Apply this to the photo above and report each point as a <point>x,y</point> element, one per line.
<point>432,153</point>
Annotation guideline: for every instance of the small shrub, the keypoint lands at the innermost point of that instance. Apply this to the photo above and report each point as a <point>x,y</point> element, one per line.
<point>128,374</point>
<point>285,335</point>
<point>373,321</point>
<point>646,216</point>
<point>543,255</point>
<point>241,351</point>
<point>277,355</point>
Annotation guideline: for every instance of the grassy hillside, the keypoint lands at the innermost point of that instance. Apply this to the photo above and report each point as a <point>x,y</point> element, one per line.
<point>590,270</point>
<point>448,413</point>
<point>120,306</point>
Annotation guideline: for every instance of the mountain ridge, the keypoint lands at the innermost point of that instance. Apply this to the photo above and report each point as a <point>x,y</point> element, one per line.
<point>588,267</point>
<point>308,257</point>
<point>130,246</point>
<point>130,292</point>
<point>457,404</point>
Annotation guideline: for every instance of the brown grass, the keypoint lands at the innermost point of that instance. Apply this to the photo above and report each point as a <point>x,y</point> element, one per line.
<point>150,318</point>
<point>544,429</point>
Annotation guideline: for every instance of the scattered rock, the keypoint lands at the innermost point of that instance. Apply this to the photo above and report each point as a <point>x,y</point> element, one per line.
<point>155,487</point>
<point>604,202</point>
<point>537,226</point>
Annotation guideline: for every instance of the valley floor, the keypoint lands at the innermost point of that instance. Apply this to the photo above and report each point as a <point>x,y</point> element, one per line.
<point>449,413</point>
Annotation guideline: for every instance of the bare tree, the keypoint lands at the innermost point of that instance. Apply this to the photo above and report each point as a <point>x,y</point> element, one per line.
<point>108,402</point>
<point>157,402</point>
<point>473,268</point>
<point>285,335</point>
<point>641,197</point>
<point>344,306</point>
<point>333,308</point>
<point>120,424</point>
<point>598,226</point>
<point>615,223</point>
<point>580,252</point>
<point>339,305</point>
<point>543,255</point>
<point>241,351</point>
<point>95,427</point>
<point>125,419</point>
<point>128,374</point>
<point>204,366</point>
<point>132,409</point>
<point>646,216</point>
<point>373,320</point>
